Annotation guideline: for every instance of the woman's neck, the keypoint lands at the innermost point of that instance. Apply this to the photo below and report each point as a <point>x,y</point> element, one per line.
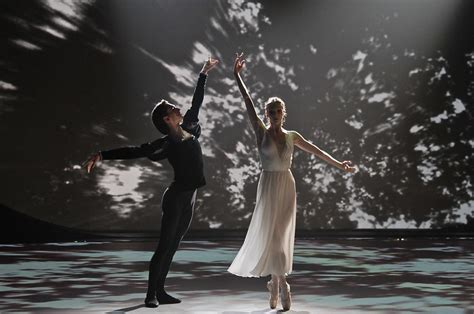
<point>276,129</point>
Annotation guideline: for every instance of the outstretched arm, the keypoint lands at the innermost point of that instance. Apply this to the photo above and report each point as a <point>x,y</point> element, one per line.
<point>256,122</point>
<point>309,147</point>
<point>155,150</point>
<point>191,115</point>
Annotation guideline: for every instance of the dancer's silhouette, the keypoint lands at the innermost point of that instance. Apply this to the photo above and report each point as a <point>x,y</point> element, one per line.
<point>268,245</point>
<point>181,147</point>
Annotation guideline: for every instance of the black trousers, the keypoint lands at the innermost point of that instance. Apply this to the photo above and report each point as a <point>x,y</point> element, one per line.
<point>178,208</point>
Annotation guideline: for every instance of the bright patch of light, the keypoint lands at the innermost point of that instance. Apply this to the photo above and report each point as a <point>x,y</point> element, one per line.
<point>7,86</point>
<point>218,27</point>
<point>354,123</point>
<point>331,73</point>
<point>381,97</point>
<point>285,75</point>
<point>458,106</point>
<point>183,75</point>
<point>62,22</point>
<point>415,128</point>
<point>470,61</point>
<point>121,185</point>
<point>440,117</point>
<point>408,53</point>
<point>413,72</point>
<point>200,53</point>
<point>52,31</point>
<point>360,56</point>
<point>438,75</point>
<point>421,148</point>
<point>71,8</point>
<point>428,171</point>
<point>368,79</point>
<point>25,44</point>
<point>245,14</point>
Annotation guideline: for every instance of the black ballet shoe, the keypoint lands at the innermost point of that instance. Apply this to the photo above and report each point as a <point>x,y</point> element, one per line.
<point>165,298</point>
<point>151,302</point>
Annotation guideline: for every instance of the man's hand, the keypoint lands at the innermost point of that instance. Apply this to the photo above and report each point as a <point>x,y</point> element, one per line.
<point>90,163</point>
<point>210,63</point>
<point>239,63</point>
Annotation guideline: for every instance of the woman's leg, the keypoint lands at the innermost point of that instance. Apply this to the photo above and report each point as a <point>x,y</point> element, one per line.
<point>285,295</point>
<point>273,288</point>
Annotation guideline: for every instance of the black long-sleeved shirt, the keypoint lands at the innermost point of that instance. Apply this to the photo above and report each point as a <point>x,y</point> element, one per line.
<point>185,156</point>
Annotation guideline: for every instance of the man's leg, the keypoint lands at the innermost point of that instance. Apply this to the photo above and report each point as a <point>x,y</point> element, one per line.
<point>177,213</point>
<point>186,208</point>
<point>169,227</point>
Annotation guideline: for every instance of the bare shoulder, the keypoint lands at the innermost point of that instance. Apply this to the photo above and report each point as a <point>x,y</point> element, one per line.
<point>292,133</point>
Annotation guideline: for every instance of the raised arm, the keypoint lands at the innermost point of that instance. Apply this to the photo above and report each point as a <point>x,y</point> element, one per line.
<point>309,147</point>
<point>155,150</point>
<point>192,114</point>
<point>256,122</point>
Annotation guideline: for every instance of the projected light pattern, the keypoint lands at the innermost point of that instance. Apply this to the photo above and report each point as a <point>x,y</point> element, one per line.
<point>388,86</point>
<point>352,275</point>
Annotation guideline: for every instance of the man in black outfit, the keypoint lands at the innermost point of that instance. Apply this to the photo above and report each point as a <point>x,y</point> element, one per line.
<point>181,147</point>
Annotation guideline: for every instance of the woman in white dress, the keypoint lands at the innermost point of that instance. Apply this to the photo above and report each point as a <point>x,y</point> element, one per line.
<point>268,245</point>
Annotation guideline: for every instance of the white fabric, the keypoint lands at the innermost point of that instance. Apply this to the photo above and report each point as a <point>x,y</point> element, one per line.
<point>268,245</point>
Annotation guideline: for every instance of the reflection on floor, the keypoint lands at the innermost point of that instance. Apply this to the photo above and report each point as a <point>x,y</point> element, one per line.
<point>330,276</point>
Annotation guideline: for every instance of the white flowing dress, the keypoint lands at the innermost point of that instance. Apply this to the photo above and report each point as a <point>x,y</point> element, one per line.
<point>268,245</point>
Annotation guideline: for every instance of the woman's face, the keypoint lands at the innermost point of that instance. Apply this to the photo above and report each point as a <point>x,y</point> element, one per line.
<point>275,113</point>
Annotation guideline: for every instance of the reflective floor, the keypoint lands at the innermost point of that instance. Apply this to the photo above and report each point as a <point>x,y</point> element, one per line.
<point>330,276</point>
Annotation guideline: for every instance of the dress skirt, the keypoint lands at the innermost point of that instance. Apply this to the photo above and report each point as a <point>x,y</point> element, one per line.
<point>269,243</point>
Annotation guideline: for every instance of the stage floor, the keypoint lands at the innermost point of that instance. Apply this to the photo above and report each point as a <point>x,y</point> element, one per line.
<point>329,276</point>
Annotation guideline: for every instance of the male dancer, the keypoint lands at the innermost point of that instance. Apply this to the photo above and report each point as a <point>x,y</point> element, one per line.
<point>181,147</point>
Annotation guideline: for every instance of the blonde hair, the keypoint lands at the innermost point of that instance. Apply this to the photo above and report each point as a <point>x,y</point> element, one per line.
<point>275,101</point>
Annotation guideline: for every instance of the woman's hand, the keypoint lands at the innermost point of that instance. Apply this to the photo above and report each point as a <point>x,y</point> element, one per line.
<point>90,163</point>
<point>239,63</point>
<point>347,166</point>
<point>210,63</point>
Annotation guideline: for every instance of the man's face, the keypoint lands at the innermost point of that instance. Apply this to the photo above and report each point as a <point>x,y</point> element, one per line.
<point>173,115</point>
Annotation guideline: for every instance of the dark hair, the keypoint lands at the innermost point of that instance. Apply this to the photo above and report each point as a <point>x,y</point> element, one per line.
<point>158,113</point>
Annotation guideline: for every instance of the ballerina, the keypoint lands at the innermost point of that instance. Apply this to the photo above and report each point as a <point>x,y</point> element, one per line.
<point>268,245</point>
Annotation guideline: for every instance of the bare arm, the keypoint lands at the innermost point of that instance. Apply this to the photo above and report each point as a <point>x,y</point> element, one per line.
<point>309,147</point>
<point>256,122</point>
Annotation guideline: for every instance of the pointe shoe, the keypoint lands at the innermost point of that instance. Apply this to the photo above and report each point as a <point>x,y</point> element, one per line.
<point>285,296</point>
<point>273,289</point>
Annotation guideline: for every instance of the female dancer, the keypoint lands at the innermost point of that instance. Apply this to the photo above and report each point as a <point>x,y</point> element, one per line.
<point>268,245</point>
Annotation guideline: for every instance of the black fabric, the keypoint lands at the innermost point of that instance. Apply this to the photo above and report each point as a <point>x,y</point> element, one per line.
<point>178,200</point>
<point>178,207</point>
<point>185,157</point>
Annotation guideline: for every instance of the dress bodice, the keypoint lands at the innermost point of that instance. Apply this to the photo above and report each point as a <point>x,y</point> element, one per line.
<point>271,158</point>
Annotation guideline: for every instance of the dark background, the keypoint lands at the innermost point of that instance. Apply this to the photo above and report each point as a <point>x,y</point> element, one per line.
<point>386,84</point>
